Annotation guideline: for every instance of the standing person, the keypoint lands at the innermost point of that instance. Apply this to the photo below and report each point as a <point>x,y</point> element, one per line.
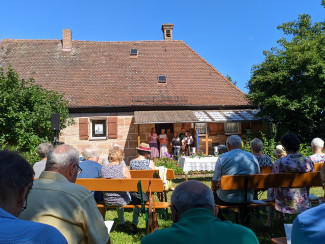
<point>69,207</point>
<point>16,179</point>
<point>176,144</point>
<point>234,162</point>
<point>153,143</point>
<point>194,216</point>
<point>182,134</point>
<point>163,140</point>
<point>257,148</point>
<point>169,137</point>
<point>43,149</point>
<point>317,146</point>
<point>187,143</point>
<point>116,170</point>
<point>292,200</point>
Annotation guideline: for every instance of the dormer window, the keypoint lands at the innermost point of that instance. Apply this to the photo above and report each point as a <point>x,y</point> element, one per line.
<point>162,79</point>
<point>134,52</point>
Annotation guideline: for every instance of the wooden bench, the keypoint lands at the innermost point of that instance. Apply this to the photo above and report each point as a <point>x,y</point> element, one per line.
<point>268,169</point>
<point>152,173</point>
<point>130,185</point>
<point>264,181</point>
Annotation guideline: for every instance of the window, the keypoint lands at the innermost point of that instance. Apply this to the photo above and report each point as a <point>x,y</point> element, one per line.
<point>201,128</point>
<point>231,128</point>
<point>162,79</point>
<point>98,128</point>
<point>134,51</point>
<point>168,33</point>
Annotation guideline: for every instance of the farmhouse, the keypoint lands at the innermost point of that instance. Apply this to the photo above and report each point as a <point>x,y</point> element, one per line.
<point>118,91</point>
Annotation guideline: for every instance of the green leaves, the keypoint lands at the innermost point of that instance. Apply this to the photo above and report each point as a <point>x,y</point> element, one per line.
<point>25,113</point>
<point>289,86</point>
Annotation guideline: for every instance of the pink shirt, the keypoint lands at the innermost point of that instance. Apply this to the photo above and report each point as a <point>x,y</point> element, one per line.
<point>152,138</point>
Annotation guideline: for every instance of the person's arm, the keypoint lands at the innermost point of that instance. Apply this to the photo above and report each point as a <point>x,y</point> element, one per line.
<point>297,234</point>
<point>126,173</point>
<point>151,165</point>
<point>215,183</point>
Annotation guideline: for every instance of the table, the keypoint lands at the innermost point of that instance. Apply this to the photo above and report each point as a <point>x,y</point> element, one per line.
<point>196,163</point>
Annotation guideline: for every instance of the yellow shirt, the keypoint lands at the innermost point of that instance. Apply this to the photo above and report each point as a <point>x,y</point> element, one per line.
<point>69,207</point>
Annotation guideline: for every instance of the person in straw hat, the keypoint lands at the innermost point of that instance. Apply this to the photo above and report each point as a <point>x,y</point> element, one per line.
<point>142,161</point>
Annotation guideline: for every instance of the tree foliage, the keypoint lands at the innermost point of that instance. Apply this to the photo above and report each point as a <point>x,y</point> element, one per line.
<point>25,113</point>
<point>289,85</point>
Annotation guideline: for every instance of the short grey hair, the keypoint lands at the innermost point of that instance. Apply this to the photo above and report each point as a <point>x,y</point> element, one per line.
<point>192,194</point>
<point>317,142</point>
<point>234,140</point>
<point>62,156</point>
<point>257,145</point>
<point>88,152</point>
<point>44,148</point>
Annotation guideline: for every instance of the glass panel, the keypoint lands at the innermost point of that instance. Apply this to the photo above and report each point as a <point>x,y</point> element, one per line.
<point>201,128</point>
<point>231,128</point>
<point>98,128</point>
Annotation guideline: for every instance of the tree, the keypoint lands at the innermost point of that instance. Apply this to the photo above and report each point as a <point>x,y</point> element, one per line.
<point>230,79</point>
<point>25,113</point>
<point>289,85</point>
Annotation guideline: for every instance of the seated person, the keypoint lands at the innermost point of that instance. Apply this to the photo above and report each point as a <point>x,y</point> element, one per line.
<point>16,179</point>
<point>69,207</point>
<point>257,148</point>
<point>91,169</point>
<point>234,162</point>
<point>195,221</point>
<point>42,150</point>
<point>309,226</point>
<point>142,161</point>
<point>317,146</point>
<point>116,170</point>
<point>292,200</point>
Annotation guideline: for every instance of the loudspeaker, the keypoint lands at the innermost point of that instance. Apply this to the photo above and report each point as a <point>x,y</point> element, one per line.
<point>55,121</point>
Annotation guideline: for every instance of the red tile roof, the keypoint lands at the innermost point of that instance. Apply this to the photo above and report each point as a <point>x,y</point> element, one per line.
<point>105,74</point>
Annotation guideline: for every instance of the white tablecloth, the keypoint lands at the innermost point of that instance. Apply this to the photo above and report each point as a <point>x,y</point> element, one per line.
<point>203,163</point>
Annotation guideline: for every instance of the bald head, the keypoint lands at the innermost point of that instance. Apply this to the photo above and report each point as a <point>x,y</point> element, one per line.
<point>61,157</point>
<point>192,194</point>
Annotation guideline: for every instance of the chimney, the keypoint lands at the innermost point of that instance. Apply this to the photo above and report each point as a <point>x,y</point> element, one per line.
<point>168,31</point>
<point>66,40</point>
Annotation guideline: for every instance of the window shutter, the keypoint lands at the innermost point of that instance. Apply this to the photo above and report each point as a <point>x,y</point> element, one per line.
<point>112,127</point>
<point>216,128</point>
<point>83,129</point>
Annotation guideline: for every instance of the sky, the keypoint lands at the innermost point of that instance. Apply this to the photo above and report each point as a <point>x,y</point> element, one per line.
<point>229,34</point>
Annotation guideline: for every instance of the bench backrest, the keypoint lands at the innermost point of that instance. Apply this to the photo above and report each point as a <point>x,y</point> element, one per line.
<point>102,184</point>
<point>151,174</point>
<point>318,166</point>
<point>263,181</point>
<point>266,169</point>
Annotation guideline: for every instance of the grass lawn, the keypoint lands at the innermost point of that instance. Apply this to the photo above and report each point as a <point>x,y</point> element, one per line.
<point>264,234</point>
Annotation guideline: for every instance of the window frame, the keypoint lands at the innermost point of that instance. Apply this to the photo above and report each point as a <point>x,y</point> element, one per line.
<point>232,133</point>
<point>206,129</point>
<point>91,137</point>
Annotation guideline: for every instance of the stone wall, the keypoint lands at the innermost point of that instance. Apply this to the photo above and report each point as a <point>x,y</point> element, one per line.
<point>127,135</point>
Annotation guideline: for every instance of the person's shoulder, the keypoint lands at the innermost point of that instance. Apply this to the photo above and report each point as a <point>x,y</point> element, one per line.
<point>49,234</point>
<point>242,232</point>
<point>159,236</point>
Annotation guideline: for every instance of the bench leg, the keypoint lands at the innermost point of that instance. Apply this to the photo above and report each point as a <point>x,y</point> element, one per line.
<point>102,211</point>
<point>245,216</point>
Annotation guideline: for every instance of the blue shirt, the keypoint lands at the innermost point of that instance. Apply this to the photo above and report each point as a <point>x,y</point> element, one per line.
<point>90,169</point>
<point>309,226</point>
<point>235,162</point>
<point>14,230</point>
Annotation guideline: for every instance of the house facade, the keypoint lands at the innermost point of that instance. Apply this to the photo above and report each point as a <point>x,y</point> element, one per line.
<point>118,91</point>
